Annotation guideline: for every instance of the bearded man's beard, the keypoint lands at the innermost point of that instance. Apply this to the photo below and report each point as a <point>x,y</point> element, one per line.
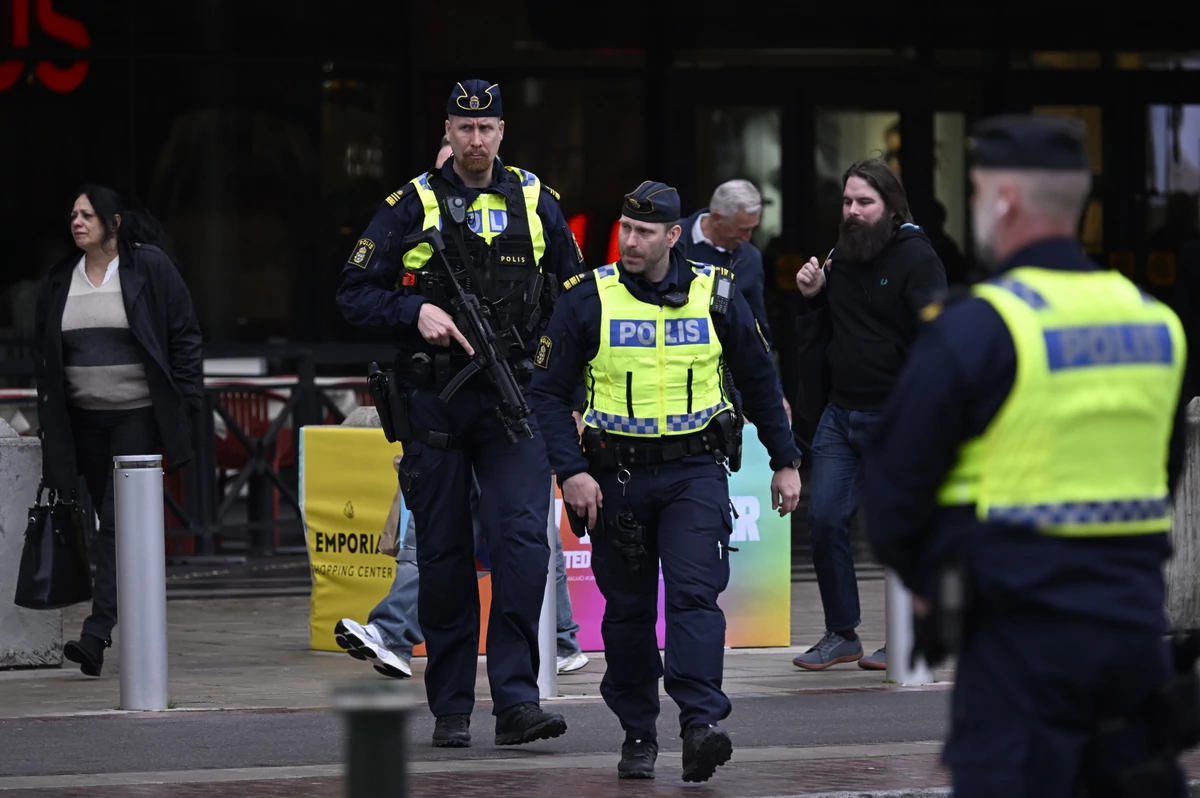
<point>476,164</point>
<point>861,242</point>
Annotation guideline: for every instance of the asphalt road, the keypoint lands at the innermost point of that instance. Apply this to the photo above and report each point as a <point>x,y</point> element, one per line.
<point>201,740</point>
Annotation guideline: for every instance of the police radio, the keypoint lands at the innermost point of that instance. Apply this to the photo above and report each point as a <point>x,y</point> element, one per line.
<point>722,295</point>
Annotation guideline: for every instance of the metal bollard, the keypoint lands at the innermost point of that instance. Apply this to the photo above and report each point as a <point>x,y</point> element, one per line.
<point>376,747</point>
<point>899,613</point>
<point>548,623</point>
<point>141,580</point>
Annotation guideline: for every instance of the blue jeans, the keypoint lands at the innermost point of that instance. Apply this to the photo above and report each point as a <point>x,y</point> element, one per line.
<point>835,491</point>
<point>567,628</point>
<point>396,615</point>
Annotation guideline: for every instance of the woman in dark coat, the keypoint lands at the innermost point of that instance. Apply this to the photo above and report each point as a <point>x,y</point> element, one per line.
<point>119,371</point>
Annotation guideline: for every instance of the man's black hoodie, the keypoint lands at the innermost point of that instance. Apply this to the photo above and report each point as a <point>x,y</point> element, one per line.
<point>874,316</point>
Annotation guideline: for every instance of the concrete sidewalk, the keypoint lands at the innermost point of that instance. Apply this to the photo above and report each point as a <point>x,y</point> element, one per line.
<point>253,653</point>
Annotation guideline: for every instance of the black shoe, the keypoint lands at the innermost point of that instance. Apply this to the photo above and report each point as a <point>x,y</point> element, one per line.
<point>637,759</point>
<point>527,723</point>
<point>452,731</point>
<point>705,748</point>
<point>88,651</point>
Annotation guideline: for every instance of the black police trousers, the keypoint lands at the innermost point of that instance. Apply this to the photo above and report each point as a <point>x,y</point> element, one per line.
<point>1032,692</point>
<point>684,505</point>
<point>514,507</point>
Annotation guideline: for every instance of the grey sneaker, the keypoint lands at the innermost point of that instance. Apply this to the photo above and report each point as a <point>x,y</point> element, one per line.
<point>875,662</point>
<point>831,650</point>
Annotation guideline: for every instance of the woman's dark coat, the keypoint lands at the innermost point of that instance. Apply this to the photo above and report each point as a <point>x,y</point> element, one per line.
<point>163,323</point>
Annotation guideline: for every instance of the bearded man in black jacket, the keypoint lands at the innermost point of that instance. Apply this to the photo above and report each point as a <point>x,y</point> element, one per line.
<point>864,307</point>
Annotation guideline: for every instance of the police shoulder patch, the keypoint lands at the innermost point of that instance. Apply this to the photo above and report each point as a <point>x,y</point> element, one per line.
<point>363,250</point>
<point>541,358</point>
<point>396,196</point>
<point>551,192</point>
<point>932,311</point>
<point>579,278</point>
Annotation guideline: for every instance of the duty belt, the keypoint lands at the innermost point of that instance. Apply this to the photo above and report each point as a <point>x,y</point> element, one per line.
<point>429,370</point>
<point>605,450</point>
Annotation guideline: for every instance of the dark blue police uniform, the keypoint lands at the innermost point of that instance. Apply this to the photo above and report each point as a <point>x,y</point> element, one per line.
<point>384,285</point>
<point>1063,634</point>
<point>682,503</point>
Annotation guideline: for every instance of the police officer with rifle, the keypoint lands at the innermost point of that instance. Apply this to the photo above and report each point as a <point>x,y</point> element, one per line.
<point>652,335</point>
<point>1021,486</point>
<point>461,267</point>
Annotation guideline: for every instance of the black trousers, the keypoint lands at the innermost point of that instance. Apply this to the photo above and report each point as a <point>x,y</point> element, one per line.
<point>99,436</point>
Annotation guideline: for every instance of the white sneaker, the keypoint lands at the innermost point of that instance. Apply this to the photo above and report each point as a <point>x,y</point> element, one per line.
<point>572,663</point>
<point>364,642</point>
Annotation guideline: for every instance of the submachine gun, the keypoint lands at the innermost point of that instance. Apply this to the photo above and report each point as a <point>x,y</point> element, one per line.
<point>469,311</point>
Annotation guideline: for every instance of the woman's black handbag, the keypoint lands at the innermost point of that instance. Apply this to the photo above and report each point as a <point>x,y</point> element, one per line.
<point>55,569</point>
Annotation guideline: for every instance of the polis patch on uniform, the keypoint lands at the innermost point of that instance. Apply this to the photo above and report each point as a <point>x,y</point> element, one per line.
<point>676,332</point>
<point>541,358</point>
<point>362,253</point>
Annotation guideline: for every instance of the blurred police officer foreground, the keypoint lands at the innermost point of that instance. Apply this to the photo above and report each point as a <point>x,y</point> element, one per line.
<point>1021,483</point>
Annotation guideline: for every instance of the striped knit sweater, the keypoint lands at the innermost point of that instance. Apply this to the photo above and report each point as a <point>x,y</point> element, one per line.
<point>102,361</point>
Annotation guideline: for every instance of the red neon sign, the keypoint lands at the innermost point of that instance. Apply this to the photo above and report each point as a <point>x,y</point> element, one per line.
<point>579,224</point>
<point>56,26</point>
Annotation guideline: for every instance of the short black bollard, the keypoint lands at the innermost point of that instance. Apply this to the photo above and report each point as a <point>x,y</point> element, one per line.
<point>377,715</point>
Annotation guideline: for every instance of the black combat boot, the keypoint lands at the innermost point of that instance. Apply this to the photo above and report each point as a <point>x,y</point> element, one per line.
<point>705,748</point>
<point>452,731</point>
<point>637,759</point>
<point>527,723</point>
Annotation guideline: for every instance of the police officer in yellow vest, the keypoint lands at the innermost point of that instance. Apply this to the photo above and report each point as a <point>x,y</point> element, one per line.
<point>651,336</point>
<point>505,236</point>
<point>1032,445</point>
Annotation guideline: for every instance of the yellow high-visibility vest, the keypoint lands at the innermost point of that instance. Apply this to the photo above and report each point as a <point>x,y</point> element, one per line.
<point>1079,447</point>
<point>658,369</point>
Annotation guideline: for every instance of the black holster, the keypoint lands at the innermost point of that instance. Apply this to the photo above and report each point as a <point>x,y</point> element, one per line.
<point>939,634</point>
<point>391,402</point>
<point>630,538</point>
<point>730,427</point>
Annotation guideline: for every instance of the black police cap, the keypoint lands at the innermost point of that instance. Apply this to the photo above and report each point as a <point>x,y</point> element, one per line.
<point>475,98</point>
<point>652,202</point>
<point>1030,141</point>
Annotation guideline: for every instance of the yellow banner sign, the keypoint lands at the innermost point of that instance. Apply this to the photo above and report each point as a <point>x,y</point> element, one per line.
<point>347,484</point>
